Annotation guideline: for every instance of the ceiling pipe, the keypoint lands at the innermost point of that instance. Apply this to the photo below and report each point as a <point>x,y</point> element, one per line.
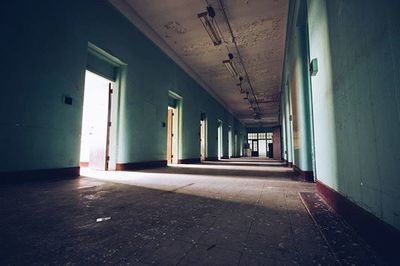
<point>238,53</point>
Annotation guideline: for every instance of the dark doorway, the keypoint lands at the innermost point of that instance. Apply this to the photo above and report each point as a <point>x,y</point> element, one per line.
<point>254,151</point>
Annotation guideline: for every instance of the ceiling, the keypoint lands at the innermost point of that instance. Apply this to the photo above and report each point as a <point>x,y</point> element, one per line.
<point>259,29</point>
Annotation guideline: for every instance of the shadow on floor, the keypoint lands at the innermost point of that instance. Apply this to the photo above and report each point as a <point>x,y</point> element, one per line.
<point>55,223</point>
<point>231,168</point>
<point>200,220</point>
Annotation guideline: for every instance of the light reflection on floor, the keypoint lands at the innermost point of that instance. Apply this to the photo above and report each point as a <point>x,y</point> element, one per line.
<point>207,179</point>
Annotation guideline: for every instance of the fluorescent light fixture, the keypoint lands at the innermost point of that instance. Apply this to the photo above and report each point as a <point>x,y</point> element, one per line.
<point>230,65</point>
<point>207,19</point>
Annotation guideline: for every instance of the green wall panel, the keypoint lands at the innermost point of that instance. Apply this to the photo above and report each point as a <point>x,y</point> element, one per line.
<point>356,100</point>
<point>46,55</point>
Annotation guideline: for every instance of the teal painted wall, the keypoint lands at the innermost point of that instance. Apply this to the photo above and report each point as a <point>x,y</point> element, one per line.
<point>296,110</point>
<point>356,101</point>
<point>44,58</point>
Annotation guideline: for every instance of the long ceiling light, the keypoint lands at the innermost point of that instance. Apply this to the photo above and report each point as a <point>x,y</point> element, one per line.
<point>207,19</point>
<point>230,65</point>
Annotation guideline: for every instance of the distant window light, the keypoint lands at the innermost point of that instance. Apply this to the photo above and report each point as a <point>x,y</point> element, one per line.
<point>252,136</point>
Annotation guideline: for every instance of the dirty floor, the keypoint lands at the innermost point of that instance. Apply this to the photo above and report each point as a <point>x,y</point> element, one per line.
<point>230,212</point>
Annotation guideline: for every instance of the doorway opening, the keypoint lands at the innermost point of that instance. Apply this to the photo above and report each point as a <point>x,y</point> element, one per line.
<point>219,140</point>
<point>254,150</point>
<point>229,142</point>
<point>270,145</point>
<point>261,144</point>
<point>96,122</point>
<point>173,129</point>
<point>235,145</point>
<point>202,137</point>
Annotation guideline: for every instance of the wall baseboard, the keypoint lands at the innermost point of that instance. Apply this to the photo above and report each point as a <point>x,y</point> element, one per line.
<point>379,234</point>
<point>225,157</point>
<point>140,165</point>
<point>211,159</point>
<point>38,175</point>
<point>306,175</point>
<point>189,161</point>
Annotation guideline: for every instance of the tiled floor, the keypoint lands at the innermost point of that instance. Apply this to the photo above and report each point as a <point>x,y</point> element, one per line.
<point>233,212</point>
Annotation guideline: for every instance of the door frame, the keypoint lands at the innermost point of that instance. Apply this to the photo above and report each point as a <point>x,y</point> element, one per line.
<point>176,127</point>
<point>230,149</point>
<point>203,136</point>
<point>170,132</point>
<point>220,139</point>
<point>114,101</point>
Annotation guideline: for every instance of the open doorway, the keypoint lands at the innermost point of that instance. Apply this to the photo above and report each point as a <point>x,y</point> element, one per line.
<point>202,137</point>
<point>262,144</point>
<point>96,122</point>
<point>270,145</point>
<point>170,134</point>
<point>172,130</point>
<point>219,140</point>
<point>229,142</point>
<point>262,148</point>
<point>254,150</point>
<point>235,145</point>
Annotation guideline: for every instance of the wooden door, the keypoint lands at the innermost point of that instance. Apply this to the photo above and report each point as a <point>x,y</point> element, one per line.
<point>170,135</point>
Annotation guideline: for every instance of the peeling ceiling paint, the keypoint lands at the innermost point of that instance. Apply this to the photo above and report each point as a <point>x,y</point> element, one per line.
<point>259,28</point>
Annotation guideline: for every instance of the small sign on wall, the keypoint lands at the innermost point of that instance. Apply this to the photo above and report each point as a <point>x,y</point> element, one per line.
<point>67,100</point>
<point>314,67</point>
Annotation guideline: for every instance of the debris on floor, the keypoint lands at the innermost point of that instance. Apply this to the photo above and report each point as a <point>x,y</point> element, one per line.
<point>102,219</point>
<point>347,246</point>
<point>221,214</point>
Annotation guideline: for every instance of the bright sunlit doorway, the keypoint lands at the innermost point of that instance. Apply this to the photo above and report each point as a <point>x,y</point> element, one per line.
<point>203,137</point>
<point>219,140</point>
<point>96,122</point>
<point>230,142</point>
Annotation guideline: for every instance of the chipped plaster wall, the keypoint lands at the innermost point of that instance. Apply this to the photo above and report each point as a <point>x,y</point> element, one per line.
<point>356,101</point>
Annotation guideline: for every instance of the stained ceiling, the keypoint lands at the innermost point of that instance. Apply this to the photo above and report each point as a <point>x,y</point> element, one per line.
<point>257,45</point>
